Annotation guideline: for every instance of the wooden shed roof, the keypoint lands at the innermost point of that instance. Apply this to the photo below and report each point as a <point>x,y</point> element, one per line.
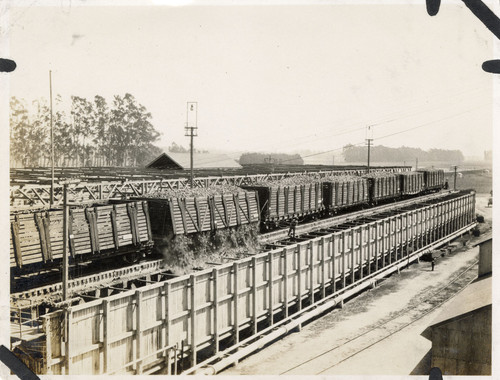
<point>474,297</point>
<point>181,161</point>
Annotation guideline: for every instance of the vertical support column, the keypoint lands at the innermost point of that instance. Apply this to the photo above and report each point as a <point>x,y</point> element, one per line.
<point>369,249</point>
<point>311,273</point>
<point>465,202</point>
<point>47,327</point>
<point>164,327</point>
<point>383,243</point>
<point>167,323</point>
<point>401,240</point>
<point>138,332</point>
<point>435,223</point>
<point>390,232</point>
<point>254,295</point>
<point>334,275</point>
<point>299,276</point>
<point>441,221</point>
<point>323,268</point>
<point>422,232</point>
<point>460,213</point>
<point>67,348</point>
<point>343,258</point>
<point>215,276</point>
<point>235,304</point>
<point>270,284</point>
<point>105,335</point>
<point>376,246</point>
<point>285,282</point>
<point>192,317</point>
<point>353,261</point>
<point>472,207</point>
<point>65,243</point>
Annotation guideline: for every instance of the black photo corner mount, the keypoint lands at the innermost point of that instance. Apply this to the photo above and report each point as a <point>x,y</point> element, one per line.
<point>485,15</point>
<point>7,65</point>
<point>15,365</point>
<point>435,374</point>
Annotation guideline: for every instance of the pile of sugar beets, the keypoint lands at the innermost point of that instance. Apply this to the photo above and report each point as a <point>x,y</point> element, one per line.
<point>185,253</point>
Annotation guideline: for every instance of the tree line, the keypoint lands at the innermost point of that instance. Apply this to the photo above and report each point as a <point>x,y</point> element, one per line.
<point>272,158</point>
<point>94,133</point>
<point>382,153</point>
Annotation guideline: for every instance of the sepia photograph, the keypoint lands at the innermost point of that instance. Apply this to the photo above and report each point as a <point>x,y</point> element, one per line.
<point>248,187</point>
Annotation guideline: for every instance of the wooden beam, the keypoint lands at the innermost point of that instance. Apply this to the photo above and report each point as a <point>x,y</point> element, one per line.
<point>270,284</point>
<point>236,327</point>
<point>254,295</point>
<point>192,315</point>
<point>105,335</point>
<point>138,332</point>
<point>215,307</point>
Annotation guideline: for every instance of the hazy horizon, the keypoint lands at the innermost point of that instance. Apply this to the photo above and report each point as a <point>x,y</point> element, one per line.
<point>271,78</point>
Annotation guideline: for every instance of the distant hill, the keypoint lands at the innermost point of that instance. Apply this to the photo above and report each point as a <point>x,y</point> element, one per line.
<point>270,158</point>
<point>382,153</point>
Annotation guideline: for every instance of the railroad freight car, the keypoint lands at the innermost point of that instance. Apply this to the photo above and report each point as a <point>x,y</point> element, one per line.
<point>36,238</point>
<point>411,183</point>
<point>433,179</point>
<point>200,210</point>
<point>383,187</point>
<point>342,192</point>
<point>282,199</point>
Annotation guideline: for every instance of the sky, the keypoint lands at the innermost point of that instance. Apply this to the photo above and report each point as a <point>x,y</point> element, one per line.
<point>270,78</point>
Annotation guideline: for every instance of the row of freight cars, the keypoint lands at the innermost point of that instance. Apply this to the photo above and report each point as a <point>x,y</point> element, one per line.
<point>134,226</point>
<point>301,197</point>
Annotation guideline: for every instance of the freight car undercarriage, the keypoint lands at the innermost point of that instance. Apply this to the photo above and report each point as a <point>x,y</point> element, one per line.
<point>185,320</point>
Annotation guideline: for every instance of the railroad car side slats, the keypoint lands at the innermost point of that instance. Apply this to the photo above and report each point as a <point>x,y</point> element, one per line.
<point>86,225</point>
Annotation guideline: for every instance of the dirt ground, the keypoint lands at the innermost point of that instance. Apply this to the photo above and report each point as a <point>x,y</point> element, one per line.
<point>377,333</point>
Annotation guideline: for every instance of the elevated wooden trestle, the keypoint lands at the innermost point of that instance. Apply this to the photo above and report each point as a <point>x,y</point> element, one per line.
<point>189,318</point>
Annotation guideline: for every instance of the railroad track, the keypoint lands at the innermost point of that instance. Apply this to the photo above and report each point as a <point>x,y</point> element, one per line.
<point>428,302</point>
<point>46,293</point>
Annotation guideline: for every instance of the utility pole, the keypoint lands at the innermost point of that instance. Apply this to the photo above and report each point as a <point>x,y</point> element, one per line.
<point>65,243</point>
<point>416,163</point>
<point>369,139</point>
<point>192,131</point>
<point>51,144</point>
<point>455,178</point>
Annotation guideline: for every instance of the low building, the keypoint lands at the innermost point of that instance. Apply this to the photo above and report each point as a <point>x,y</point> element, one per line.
<point>182,161</point>
<point>461,334</point>
<point>485,244</point>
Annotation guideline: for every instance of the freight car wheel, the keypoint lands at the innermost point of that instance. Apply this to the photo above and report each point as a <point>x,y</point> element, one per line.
<point>132,257</point>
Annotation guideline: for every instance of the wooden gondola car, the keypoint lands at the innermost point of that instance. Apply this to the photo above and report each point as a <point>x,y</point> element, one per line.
<point>179,216</point>
<point>344,192</point>
<point>411,183</point>
<point>383,187</point>
<point>282,202</point>
<point>433,179</point>
<point>36,237</point>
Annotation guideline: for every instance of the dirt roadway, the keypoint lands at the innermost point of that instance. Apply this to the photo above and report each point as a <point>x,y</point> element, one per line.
<point>378,333</point>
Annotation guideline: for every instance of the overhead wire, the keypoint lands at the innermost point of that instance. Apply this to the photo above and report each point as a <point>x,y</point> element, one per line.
<point>396,133</point>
